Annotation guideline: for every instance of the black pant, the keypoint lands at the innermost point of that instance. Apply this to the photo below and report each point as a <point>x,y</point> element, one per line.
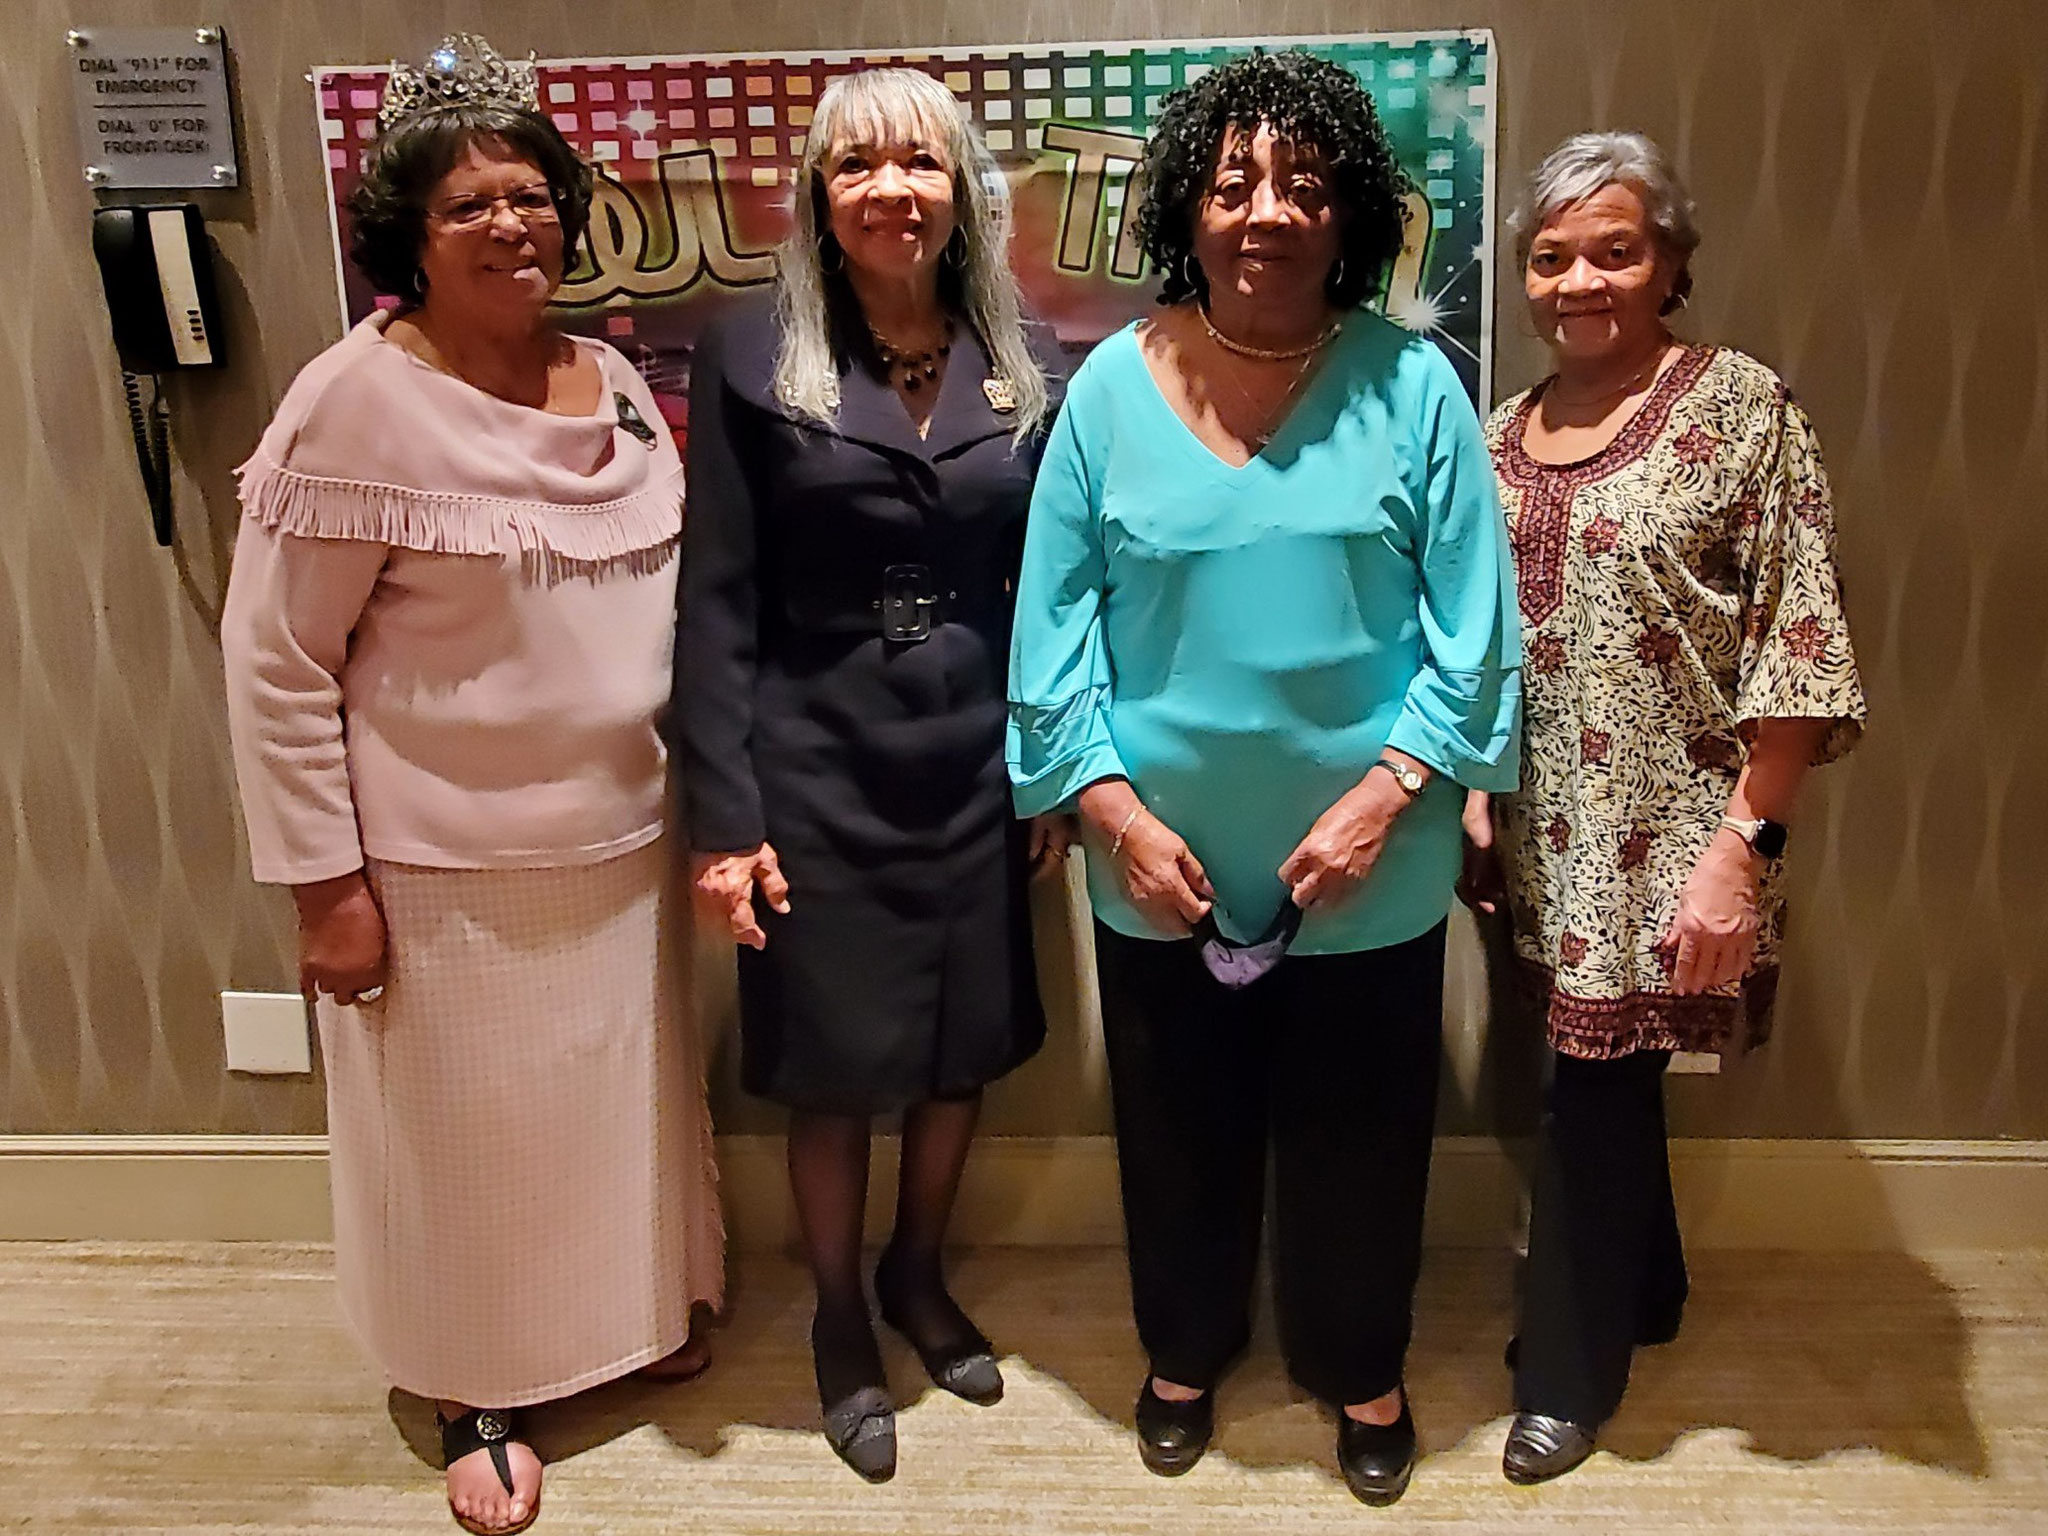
<point>1333,1060</point>
<point>1606,1264</point>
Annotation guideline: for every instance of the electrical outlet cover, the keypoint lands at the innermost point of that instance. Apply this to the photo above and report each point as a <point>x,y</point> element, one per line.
<point>266,1032</point>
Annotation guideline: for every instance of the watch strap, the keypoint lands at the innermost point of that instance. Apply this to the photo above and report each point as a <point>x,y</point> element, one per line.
<point>1766,838</point>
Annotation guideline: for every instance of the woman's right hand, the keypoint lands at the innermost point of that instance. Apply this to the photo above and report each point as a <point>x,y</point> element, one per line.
<point>1160,874</point>
<point>725,883</point>
<point>342,946</point>
<point>1483,884</point>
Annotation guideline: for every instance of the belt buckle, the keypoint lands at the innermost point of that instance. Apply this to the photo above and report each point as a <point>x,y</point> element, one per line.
<point>907,600</point>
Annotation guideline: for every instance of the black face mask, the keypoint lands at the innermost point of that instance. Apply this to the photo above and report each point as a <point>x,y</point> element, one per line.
<point>1239,965</point>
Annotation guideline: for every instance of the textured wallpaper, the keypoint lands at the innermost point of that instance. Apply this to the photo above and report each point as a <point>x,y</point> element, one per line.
<point>1873,186</point>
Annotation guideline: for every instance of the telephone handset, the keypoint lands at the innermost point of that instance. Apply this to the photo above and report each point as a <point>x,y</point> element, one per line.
<point>158,271</point>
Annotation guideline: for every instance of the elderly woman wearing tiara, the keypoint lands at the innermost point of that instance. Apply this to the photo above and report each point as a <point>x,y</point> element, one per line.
<point>861,455</point>
<point>447,639</point>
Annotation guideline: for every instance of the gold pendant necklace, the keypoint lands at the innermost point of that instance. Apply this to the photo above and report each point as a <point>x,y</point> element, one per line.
<point>913,369</point>
<point>1279,411</point>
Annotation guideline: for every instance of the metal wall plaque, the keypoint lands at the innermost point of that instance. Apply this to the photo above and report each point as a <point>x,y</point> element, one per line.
<point>153,107</point>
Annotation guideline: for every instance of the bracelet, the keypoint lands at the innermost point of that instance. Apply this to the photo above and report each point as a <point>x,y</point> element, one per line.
<point>1116,844</point>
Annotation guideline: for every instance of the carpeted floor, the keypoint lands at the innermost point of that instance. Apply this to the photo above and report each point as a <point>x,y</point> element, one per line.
<point>212,1389</point>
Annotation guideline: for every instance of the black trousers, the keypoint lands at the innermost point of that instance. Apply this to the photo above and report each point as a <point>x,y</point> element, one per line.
<point>1606,1264</point>
<point>1331,1060</point>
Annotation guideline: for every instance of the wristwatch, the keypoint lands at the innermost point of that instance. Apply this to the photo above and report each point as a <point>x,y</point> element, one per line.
<point>1766,838</point>
<point>1411,782</point>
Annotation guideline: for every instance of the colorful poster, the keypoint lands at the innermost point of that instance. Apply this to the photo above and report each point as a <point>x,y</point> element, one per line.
<point>696,160</point>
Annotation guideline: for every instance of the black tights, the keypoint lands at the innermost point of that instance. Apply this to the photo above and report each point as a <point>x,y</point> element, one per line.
<point>828,1174</point>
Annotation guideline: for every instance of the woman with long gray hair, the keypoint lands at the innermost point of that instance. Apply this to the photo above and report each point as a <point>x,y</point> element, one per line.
<point>860,459</point>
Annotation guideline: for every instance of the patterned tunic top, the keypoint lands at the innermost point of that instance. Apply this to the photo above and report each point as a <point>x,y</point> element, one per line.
<point>1675,587</point>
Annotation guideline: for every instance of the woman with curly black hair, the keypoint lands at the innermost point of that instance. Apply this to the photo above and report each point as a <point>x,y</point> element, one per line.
<point>1265,631</point>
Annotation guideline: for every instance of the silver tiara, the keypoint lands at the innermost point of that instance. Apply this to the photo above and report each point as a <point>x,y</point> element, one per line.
<point>465,70</point>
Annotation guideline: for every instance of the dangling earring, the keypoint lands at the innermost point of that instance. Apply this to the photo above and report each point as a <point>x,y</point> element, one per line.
<point>419,283</point>
<point>955,253</point>
<point>829,247</point>
<point>1188,273</point>
<point>1337,273</point>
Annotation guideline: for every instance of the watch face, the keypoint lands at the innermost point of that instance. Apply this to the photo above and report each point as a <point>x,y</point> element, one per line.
<point>1770,839</point>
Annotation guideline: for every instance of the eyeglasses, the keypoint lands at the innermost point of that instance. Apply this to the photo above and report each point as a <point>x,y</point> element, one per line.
<point>533,204</point>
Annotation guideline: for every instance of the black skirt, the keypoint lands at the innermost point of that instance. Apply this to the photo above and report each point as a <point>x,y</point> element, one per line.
<point>903,970</point>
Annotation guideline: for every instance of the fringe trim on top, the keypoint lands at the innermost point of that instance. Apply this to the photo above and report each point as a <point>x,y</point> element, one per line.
<point>635,535</point>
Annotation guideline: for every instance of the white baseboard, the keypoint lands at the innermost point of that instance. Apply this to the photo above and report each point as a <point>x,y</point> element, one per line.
<point>1054,1191</point>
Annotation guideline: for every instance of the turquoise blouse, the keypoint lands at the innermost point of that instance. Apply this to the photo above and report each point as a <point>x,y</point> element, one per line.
<point>1241,644</point>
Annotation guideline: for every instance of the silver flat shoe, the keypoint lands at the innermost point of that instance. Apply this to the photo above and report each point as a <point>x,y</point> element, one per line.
<point>1540,1448</point>
<point>861,1429</point>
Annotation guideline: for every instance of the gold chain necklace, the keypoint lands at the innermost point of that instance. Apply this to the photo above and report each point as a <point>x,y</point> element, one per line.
<point>1286,355</point>
<point>1656,360</point>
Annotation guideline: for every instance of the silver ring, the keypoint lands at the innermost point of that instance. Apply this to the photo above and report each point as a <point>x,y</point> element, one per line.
<point>369,994</point>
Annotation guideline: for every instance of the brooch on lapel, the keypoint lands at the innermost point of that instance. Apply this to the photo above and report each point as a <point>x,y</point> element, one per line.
<point>1002,395</point>
<point>633,421</point>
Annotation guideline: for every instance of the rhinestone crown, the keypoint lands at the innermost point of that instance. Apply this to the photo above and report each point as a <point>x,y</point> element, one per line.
<point>464,70</point>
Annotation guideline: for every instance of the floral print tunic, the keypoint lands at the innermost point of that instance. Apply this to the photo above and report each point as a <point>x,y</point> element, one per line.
<point>1675,587</point>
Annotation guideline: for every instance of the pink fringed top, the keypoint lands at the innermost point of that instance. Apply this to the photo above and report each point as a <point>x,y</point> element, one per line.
<point>449,624</point>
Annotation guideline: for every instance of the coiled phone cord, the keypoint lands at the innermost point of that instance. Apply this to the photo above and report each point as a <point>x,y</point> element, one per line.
<point>152,427</point>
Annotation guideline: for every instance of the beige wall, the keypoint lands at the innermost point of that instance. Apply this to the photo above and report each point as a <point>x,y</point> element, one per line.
<point>1872,185</point>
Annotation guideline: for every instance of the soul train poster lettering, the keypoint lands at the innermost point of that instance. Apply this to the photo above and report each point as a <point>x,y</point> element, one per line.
<point>696,160</point>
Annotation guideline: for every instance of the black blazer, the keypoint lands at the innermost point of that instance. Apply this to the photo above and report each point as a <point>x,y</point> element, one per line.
<point>794,720</point>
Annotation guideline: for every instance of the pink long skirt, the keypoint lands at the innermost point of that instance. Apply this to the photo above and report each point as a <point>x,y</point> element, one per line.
<point>525,1202</point>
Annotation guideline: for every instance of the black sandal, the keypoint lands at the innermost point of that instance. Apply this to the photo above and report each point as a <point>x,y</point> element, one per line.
<point>483,1429</point>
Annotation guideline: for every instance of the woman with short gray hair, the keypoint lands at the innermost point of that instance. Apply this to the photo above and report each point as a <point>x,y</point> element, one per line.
<point>1586,163</point>
<point>1687,660</point>
<point>860,459</point>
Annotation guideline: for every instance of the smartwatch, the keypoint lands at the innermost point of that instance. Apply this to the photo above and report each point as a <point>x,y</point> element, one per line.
<point>1766,838</point>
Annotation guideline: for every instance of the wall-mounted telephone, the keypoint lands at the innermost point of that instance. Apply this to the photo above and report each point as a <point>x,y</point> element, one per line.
<point>158,271</point>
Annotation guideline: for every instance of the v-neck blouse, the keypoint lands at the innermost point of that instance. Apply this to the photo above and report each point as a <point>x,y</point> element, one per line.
<point>1241,643</point>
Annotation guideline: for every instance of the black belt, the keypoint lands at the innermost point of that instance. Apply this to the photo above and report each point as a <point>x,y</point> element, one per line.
<point>911,602</point>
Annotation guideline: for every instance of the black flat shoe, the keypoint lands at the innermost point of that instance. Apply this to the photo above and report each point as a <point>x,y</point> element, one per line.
<point>861,1429</point>
<point>1540,1448</point>
<point>965,1367</point>
<point>860,1423</point>
<point>1377,1459</point>
<point>1173,1436</point>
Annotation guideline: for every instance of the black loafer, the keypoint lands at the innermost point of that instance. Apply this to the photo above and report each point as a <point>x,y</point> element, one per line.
<point>1173,1436</point>
<point>1376,1459</point>
<point>1540,1448</point>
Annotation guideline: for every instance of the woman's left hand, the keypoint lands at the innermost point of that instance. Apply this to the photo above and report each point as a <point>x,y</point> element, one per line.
<point>1713,936</point>
<point>1051,837</point>
<point>1344,844</point>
